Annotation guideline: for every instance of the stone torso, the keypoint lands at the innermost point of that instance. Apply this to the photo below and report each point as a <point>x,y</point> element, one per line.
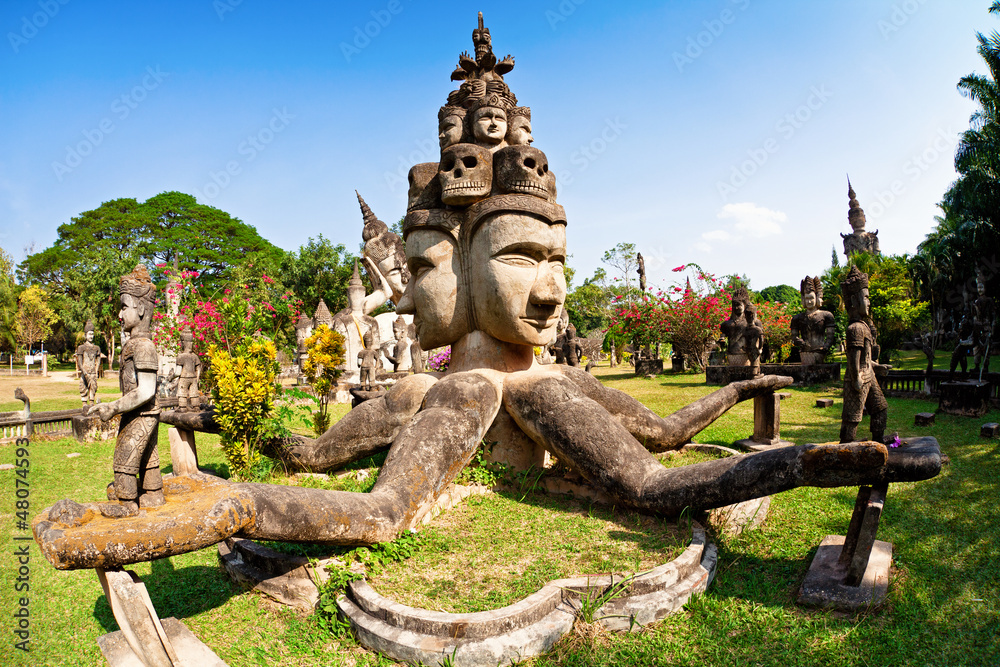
<point>188,361</point>
<point>861,242</point>
<point>88,354</point>
<point>138,355</point>
<point>859,335</point>
<point>812,328</point>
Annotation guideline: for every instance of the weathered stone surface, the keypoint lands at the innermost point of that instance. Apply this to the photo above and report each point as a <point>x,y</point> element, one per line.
<point>190,650</point>
<point>824,402</point>
<point>183,451</point>
<point>823,585</point>
<point>989,430</point>
<point>968,399</point>
<point>813,330</point>
<point>530,626</point>
<point>923,419</point>
<point>649,366</point>
<point>203,420</point>
<point>137,618</point>
<point>92,429</point>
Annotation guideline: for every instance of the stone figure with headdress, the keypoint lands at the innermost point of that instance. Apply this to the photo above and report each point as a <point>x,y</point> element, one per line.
<point>189,372</point>
<point>861,388</point>
<point>813,330</point>
<point>859,240</point>
<point>137,479</point>
<point>744,331</point>
<point>88,358</point>
<point>983,315</point>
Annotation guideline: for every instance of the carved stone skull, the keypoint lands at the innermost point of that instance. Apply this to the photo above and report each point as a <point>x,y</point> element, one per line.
<point>466,174</point>
<point>523,170</point>
<point>425,189</point>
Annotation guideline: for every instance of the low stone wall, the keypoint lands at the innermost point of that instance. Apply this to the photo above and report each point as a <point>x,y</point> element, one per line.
<point>812,374</point>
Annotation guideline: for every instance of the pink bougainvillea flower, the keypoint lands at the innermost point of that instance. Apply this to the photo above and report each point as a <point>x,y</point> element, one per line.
<point>679,268</point>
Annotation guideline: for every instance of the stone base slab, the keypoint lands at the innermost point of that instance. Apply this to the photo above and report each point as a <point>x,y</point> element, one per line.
<point>967,399</point>
<point>92,429</point>
<point>751,445</point>
<point>190,649</point>
<point>528,627</point>
<point>823,585</point>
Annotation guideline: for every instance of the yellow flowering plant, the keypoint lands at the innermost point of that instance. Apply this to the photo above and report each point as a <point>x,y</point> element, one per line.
<point>322,368</point>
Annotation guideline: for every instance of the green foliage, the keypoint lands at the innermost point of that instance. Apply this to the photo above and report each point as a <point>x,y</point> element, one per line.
<point>34,317</point>
<point>319,270</point>
<point>8,303</point>
<point>589,305</point>
<point>481,470</point>
<point>322,368</point>
<point>244,388</point>
<point>782,294</point>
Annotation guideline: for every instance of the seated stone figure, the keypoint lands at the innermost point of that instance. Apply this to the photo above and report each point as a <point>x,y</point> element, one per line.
<point>487,278</point>
<point>812,330</point>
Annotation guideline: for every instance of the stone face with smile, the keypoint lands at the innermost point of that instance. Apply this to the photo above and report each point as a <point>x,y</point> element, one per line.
<point>516,263</point>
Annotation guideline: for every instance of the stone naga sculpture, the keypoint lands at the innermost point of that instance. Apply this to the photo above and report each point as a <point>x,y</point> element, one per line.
<point>861,389</point>
<point>88,357</point>
<point>487,278</point>
<point>813,330</point>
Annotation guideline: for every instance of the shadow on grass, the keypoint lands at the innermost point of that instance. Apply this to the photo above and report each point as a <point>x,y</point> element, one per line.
<point>178,593</point>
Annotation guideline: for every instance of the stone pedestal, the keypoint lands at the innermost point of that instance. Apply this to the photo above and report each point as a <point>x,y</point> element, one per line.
<point>968,399</point>
<point>824,402</point>
<point>677,364</point>
<point>649,366</point>
<point>923,419</point>
<point>766,423</point>
<point>989,430</point>
<point>852,572</point>
<point>92,429</point>
<point>183,452</point>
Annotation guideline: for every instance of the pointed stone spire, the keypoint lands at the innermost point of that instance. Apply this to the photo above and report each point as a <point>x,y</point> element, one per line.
<point>322,315</point>
<point>355,280</point>
<point>373,226</point>
<point>855,214</point>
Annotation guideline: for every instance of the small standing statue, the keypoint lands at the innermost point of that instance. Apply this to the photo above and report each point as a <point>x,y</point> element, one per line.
<point>88,357</point>
<point>983,311</point>
<point>572,352</point>
<point>398,352</point>
<point>966,338</point>
<point>368,362</point>
<point>861,388</point>
<point>813,330</point>
<point>189,371</point>
<point>641,271</point>
<point>135,449</point>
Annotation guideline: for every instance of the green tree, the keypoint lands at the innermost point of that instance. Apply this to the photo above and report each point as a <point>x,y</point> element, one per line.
<point>782,294</point>
<point>8,303</point>
<point>34,317</point>
<point>319,270</point>
<point>623,258</point>
<point>589,305</point>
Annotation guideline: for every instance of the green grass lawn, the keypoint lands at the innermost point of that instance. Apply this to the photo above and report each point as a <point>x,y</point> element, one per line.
<point>944,596</point>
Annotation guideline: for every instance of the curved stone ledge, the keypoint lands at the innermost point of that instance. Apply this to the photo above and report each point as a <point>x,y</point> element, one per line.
<point>532,625</point>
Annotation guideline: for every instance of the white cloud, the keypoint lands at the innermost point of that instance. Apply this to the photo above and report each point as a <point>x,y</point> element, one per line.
<point>753,220</point>
<point>704,247</point>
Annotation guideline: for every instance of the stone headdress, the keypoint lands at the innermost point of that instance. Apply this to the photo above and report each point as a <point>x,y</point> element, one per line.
<point>741,295</point>
<point>812,285</point>
<point>380,242</point>
<point>138,284</point>
<point>852,284</point>
<point>855,214</point>
<point>89,326</point>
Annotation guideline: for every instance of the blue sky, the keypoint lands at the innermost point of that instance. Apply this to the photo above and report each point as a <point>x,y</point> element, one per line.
<point>716,131</point>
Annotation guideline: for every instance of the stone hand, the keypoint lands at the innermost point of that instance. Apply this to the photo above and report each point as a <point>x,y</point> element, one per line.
<point>103,410</point>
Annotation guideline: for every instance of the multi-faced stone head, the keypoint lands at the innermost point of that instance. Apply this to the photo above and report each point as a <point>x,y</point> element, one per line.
<point>466,174</point>
<point>489,124</point>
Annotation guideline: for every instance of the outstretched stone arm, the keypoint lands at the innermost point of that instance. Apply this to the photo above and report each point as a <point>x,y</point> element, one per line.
<point>428,453</point>
<point>660,434</point>
<point>369,428</point>
<point>555,413</point>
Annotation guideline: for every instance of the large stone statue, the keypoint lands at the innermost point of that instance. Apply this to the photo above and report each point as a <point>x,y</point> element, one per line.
<point>137,481</point>
<point>861,389</point>
<point>984,314</point>
<point>859,240</point>
<point>965,343</point>
<point>88,357</point>
<point>189,372</point>
<point>488,280</point>
<point>813,330</point>
<point>744,332</point>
